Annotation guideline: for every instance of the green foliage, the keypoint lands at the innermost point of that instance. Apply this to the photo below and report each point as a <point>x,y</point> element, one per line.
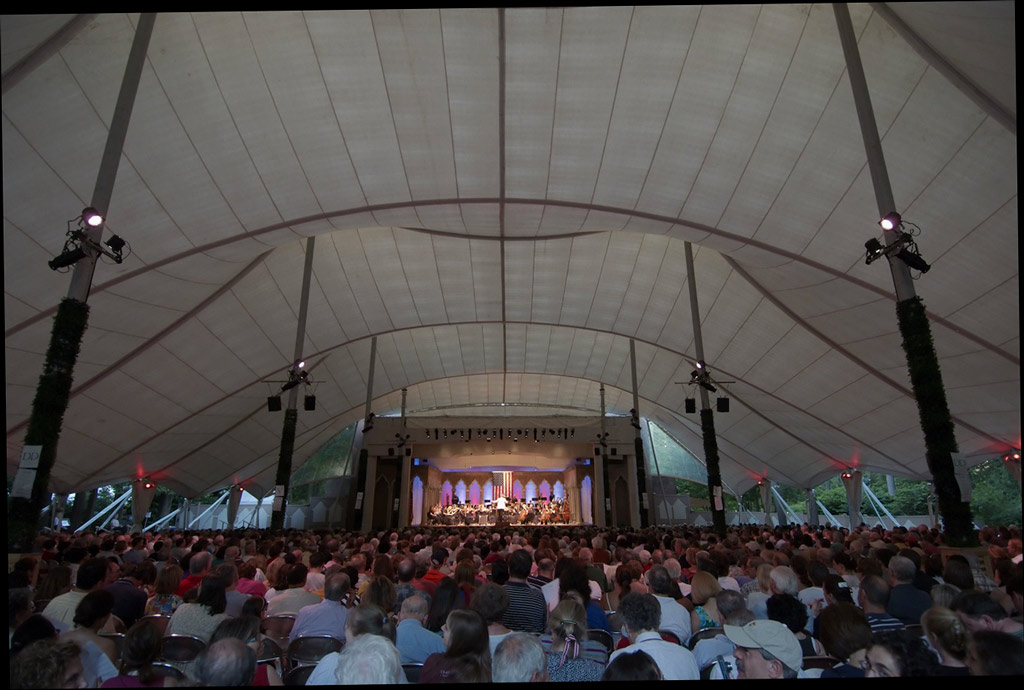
<point>996,495</point>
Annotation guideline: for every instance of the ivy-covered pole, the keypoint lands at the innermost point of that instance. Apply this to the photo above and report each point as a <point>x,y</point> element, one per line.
<point>283,477</point>
<point>922,361</point>
<point>72,317</point>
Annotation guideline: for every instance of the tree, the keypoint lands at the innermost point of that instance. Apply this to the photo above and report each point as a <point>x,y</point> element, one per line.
<point>996,496</point>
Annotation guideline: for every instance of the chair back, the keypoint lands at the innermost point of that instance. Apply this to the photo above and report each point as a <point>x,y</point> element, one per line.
<point>298,675</point>
<point>705,634</point>
<point>822,661</point>
<point>412,672</point>
<point>163,669</point>
<point>118,639</point>
<point>670,636</point>
<point>602,636</point>
<point>279,627</point>
<point>160,620</point>
<point>310,649</point>
<point>181,648</point>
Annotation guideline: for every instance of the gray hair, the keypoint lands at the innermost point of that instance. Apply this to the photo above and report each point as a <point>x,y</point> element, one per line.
<point>336,586</point>
<point>675,570</point>
<point>227,662</point>
<point>517,658</point>
<point>902,568</point>
<point>785,580</point>
<point>369,660</point>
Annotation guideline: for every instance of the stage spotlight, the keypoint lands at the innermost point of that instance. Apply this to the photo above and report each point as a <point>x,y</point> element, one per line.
<point>913,260</point>
<point>92,217</point>
<point>67,258</point>
<point>890,221</point>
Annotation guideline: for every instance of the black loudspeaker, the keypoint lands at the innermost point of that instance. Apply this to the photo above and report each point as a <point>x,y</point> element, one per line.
<point>309,404</point>
<point>615,451</point>
<point>723,404</point>
<point>391,452</point>
<point>597,451</point>
<point>691,405</point>
<point>274,403</point>
<point>408,452</point>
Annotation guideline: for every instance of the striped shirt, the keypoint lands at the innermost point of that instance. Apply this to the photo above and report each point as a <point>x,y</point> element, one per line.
<point>526,611</point>
<point>880,622</point>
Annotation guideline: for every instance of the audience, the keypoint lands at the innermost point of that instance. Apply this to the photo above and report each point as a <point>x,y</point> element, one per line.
<point>438,579</point>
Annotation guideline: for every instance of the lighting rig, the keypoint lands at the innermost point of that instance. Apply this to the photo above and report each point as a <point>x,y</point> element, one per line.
<point>297,375</point>
<point>79,245</point>
<point>903,247</point>
<point>701,376</point>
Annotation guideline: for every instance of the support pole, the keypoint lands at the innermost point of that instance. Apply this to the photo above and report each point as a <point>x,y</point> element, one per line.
<point>291,414</point>
<point>602,498</point>
<point>638,444</point>
<point>707,416</point>
<point>54,388</point>
<point>923,364</point>
<point>362,494</point>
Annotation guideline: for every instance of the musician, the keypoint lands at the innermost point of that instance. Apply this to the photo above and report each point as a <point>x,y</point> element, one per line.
<point>501,509</point>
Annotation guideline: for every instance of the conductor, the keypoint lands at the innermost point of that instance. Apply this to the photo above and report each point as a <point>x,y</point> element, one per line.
<point>501,509</point>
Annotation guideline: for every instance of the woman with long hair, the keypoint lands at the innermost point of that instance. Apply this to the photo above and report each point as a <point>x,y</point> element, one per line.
<point>949,638</point>
<point>628,578</point>
<point>570,655</point>
<point>141,648</point>
<point>164,599</point>
<point>703,590</point>
<point>444,599</point>
<point>202,617</point>
<point>467,654</point>
<point>465,579</point>
<point>574,579</point>
<point>382,594</point>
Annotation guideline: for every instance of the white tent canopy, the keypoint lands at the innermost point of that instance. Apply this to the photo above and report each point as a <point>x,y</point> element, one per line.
<point>502,197</point>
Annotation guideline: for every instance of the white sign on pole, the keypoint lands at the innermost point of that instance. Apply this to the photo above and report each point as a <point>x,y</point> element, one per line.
<point>25,477</point>
<point>963,477</point>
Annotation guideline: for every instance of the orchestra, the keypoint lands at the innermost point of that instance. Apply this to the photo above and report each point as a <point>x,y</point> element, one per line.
<point>538,511</point>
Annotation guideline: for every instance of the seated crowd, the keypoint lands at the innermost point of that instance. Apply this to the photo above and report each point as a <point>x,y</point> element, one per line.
<point>533,604</point>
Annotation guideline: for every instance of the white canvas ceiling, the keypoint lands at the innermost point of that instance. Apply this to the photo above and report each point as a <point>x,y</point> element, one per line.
<point>502,197</point>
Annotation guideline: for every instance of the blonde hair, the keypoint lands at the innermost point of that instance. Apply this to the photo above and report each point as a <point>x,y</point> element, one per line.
<point>948,629</point>
<point>704,586</point>
<point>569,617</point>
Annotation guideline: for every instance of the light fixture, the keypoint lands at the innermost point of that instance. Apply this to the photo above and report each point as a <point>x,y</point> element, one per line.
<point>92,217</point>
<point>67,258</point>
<point>890,221</point>
<point>115,244</point>
<point>903,246</point>
<point>875,250</point>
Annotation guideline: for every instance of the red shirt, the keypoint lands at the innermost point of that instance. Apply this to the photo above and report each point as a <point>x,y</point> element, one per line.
<point>188,583</point>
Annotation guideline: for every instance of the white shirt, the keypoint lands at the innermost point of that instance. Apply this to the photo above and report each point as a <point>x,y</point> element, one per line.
<point>676,662</point>
<point>501,503</point>
<point>675,618</point>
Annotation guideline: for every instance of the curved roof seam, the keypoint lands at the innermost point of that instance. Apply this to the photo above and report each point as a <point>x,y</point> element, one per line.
<point>44,51</point>
<point>157,337</point>
<point>719,233</point>
<point>839,348</point>
<point>656,405</point>
<point>940,64</point>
